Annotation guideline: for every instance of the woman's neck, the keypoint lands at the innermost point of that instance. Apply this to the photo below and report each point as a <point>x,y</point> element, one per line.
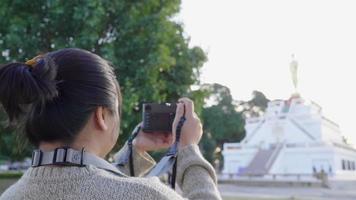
<point>51,146</point>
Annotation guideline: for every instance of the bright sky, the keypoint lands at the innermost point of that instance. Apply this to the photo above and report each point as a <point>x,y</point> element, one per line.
<point>250,43</point>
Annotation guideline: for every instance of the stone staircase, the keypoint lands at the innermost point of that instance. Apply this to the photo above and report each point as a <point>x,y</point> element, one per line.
<point>263,161</point>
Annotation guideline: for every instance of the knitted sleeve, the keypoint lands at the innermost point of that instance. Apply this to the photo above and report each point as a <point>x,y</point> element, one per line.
<point>142,162</point>
<point>195,176</point>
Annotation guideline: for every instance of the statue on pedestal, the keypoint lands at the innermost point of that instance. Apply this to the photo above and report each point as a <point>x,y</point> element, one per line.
<point>293,66</point>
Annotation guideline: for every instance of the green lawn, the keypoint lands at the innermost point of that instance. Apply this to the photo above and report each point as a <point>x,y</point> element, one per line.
<point>5,183</point>
<point>7,179</point>
<point>243,198</point>
<point>252,198</point>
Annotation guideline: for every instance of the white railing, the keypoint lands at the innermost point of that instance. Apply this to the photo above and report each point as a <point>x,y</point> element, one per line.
<point>270,177</point>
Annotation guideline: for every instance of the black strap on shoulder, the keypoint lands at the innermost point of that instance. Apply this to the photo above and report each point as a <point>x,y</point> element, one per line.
<point>129,143</point>
<point>128,157</point>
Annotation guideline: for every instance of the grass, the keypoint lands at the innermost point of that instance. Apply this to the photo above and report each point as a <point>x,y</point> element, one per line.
<point>10,175</point>
<point>7,179</point>
<point>5,183</point>
<point>248,198</point>
<point>256,198</point>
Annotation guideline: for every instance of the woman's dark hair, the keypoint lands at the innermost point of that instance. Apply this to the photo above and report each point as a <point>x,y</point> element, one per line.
<point>55,96</point>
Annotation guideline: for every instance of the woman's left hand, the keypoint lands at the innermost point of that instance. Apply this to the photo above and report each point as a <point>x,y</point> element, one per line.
<point>152,141</point>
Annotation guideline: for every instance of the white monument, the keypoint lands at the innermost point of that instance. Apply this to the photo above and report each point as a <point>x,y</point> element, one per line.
<point>292,138</point>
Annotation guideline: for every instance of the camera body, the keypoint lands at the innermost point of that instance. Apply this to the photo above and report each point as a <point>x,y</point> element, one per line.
<point>158,117</point>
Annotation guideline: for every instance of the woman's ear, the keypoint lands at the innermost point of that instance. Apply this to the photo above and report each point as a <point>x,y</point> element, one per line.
<point>100,118</point>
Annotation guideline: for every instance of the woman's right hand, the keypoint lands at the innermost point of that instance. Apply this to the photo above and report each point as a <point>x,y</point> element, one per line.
<point>152,141</point>
<point>192,130</point>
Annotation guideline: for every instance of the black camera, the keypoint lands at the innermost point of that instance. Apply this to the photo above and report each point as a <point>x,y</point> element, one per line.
<point>158,117</point>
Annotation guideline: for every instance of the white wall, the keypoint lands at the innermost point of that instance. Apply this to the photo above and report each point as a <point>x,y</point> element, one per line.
<point>301,160</point>
<point>236,159</point>
<point>331,133</point>
<point>283,130</point>
<point>344,154</point>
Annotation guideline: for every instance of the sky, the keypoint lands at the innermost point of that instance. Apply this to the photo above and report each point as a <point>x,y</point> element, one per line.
<point>249,44</point>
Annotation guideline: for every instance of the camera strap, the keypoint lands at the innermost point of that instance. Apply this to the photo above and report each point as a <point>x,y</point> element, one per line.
<point>129,156</point>
<point>66,156</point>
<point>168,164</point>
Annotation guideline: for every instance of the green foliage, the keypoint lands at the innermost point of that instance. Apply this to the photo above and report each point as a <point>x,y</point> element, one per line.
<point>11,175</point>
<point>223,120</point>
<point>151,56</point>
<point>254,107</point>
<point>13,145</point>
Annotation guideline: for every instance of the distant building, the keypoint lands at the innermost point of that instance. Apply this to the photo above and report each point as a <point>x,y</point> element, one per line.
<point>292,138</point>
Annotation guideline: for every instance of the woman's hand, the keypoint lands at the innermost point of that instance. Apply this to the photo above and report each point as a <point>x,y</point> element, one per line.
<point>192,131</point>
<point>152,141</point>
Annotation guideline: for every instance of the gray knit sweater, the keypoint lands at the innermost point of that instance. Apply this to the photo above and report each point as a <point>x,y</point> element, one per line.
<point>195,177</point>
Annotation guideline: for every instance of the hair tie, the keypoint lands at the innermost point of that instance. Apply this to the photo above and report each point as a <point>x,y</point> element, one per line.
<point>33,61</point>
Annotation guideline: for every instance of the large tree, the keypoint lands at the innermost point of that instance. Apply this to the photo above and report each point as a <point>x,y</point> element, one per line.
<point>221,118</point>
<point>148,49</point>
<point>222,123</point>
<point>254,107</point>
<point>224,117</point>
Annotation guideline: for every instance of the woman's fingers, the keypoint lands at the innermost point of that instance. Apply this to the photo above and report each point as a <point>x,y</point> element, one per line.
<point>162,138</point>
<point>179,110</point>
<point>179,114</point>
<point>189,106</point>
<point>153,141</point>
<point>191,130</point>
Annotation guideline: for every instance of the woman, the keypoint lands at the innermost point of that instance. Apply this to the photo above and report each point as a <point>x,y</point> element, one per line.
<point>70,98</point>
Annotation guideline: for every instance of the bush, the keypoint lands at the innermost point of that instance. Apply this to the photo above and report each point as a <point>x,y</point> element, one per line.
<point>10,175</point>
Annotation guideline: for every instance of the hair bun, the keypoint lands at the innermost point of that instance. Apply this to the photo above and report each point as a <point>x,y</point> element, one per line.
<point>21,85</point>
<point>45,72</point>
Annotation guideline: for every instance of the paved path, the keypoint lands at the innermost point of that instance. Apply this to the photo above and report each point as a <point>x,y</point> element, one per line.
<point>282,193</point>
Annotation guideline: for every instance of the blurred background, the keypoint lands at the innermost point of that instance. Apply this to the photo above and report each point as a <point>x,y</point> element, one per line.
<point>271,80</point>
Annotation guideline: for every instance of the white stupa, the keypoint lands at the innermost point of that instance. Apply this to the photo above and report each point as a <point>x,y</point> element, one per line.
<point>293,137</point>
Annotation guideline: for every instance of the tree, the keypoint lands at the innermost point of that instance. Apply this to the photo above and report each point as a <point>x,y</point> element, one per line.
<point>254,107</point>
<point>221,118</point>
<point>224,117</point>
<point>8,140</point>
<point>222,123</point>
<point>151,56</point>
